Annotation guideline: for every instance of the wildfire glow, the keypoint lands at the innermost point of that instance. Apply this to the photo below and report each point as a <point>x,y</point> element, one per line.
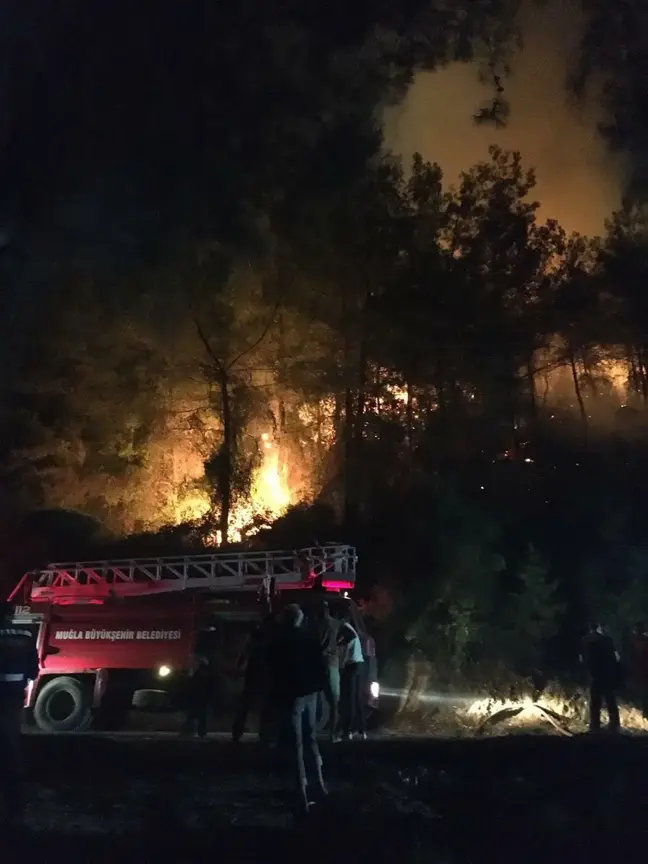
<point>274,489</point>
<point>567,714</point>
<point>483,708</point>
<point>270,497</point>
<point>531,714</point>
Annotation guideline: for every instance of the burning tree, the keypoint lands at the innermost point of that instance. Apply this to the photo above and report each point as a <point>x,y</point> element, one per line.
<point>224,318</point>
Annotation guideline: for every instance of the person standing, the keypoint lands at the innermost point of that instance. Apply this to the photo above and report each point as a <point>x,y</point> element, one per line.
<point>18,665</point>
<point>639,666</point>
<point>369,673</point>
<point>200,693</point>
<point>352,707</point>
<point>298,675</point>
<point>602,663</point>
<point>255,692</point>
<point>327,629</point>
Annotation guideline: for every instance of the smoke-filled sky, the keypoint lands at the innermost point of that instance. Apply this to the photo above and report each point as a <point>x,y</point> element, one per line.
<point>579,182</point>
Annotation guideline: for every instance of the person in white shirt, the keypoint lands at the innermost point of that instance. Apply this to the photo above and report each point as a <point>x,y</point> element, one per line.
<point>352,708</point>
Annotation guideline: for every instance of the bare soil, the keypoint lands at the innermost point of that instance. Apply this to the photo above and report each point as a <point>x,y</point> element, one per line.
<point>158,798</point>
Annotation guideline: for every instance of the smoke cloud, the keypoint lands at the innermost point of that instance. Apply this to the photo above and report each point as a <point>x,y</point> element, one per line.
<point>579,183</point>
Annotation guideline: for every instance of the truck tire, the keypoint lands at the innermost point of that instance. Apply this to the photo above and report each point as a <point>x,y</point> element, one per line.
<point>150,700</point>
<point>63,705</point>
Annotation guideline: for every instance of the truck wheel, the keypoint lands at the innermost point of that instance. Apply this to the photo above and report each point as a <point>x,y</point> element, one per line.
<point>63,705</point>
<point>150,700</point>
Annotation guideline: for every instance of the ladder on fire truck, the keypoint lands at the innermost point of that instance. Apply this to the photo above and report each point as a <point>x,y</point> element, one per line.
<point>332,566</point>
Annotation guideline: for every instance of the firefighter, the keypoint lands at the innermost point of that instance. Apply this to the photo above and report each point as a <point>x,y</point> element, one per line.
<point>602,663</point>
<point>255,692</point>
<point>18,666</point>
<point>299,674</point>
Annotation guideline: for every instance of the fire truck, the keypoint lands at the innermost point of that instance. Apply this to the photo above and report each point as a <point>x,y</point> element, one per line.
<point>111,634</point>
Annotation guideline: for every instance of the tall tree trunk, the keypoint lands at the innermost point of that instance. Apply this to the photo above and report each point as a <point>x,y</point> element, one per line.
<point>378,391</point>
<point>531,375</point>
<point>643,374</point>
<point>348,478</point>
<point>409,415</point>
<point>578,391</point>
<point>349,462</point>
<point>360,409</point>
<point>636,377</point>
<point>588,373</point>
<point>442,414</point>
<point>282,373</point>
<point>225,456</point>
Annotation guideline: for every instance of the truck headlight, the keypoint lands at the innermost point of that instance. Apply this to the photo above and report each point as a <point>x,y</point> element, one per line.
<point>164,671</point>
<point>374,689</point>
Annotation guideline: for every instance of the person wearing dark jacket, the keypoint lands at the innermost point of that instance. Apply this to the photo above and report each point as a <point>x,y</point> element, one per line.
<point>602,663</point>
<point>299,674</point>
<point>256,685</point>
<point>200,691</point>
<point>18,665</point>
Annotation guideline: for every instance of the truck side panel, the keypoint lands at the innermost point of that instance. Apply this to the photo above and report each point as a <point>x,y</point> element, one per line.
<point>86,638</point>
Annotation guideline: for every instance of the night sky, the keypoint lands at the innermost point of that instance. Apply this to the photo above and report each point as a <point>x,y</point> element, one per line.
<point>116,115</point>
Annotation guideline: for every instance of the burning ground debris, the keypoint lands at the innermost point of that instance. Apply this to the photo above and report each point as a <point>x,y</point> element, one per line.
<point>455,711</point>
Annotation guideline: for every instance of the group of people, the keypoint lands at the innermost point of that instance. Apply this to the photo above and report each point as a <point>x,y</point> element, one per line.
<point>296,666</point>
<point>608,673</point>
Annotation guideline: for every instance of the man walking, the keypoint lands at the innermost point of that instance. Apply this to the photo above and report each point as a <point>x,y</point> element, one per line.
<point>299,674</point>
<point>18,666</point>
<point>602,663</point>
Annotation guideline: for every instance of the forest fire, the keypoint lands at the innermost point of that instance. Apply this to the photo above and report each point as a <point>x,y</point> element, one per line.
<point>603,386</point>
<point>269,498</point>
<point>270,495</point>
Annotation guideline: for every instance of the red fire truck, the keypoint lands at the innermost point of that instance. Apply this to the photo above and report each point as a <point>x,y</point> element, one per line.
<point>111,633</point>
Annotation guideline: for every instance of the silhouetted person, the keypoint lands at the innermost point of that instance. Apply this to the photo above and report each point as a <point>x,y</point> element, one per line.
<point>639,666</point>
<point>369,671</point>
<point>18,666</point>
<point>602,663</point>
<point>352,696</point>
<point>255,694</point>
<point>327,629</point>
<point>200,694</point>
<point>299,674</point>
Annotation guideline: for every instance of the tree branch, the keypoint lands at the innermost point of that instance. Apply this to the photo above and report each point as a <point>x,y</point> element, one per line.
<point>210,352</point>
<point>258,341</point>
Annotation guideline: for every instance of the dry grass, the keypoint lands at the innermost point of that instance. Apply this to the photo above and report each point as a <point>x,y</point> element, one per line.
<point>462,708</point>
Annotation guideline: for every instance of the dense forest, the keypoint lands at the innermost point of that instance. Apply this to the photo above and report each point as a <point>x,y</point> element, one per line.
<point>227,307</point>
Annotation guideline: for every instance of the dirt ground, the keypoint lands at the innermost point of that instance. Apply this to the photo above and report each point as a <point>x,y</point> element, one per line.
<point>155,797</point>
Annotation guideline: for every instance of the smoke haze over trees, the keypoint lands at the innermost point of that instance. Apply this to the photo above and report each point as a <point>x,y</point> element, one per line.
<point>223,296</point>
<point>580,180</point>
